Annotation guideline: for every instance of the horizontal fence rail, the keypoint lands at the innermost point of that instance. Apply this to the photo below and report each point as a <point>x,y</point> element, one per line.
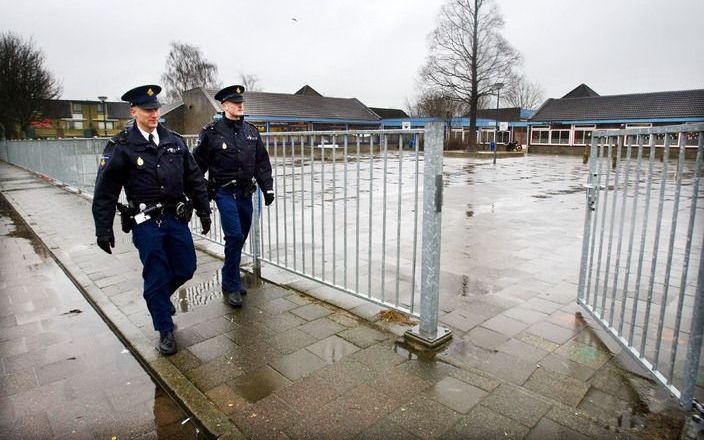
<point>347,211</point>
<point>642,257</point>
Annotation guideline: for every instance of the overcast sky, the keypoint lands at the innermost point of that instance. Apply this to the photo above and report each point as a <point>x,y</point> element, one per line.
<point>367,49</point>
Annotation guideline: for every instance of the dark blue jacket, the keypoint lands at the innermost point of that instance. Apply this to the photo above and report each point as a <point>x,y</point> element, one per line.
<point>231,150</point>
<point>149,174</point>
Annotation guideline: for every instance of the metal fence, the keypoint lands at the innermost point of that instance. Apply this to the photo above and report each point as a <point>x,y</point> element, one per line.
<point>346,214</point>
<point>642,268</point>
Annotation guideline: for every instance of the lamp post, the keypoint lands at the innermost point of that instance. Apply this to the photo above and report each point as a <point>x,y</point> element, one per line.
<point>105,112</point>
<point>498,87</point>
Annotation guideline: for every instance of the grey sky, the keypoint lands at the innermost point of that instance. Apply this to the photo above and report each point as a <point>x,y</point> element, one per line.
<point>371,50</point>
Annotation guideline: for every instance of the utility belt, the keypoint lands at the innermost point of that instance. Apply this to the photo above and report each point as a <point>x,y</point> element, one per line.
<point>138,212</point>
<point>246,186</point>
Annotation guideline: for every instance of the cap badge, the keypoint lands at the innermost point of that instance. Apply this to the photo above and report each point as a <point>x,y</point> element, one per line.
<point>140,161</point>
<point>238,90</point>
<point>150,92</point>
<point>102,163</point>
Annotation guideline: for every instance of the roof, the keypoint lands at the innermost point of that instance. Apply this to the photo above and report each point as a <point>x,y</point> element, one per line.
<point>61,108</point>
<point>505,114</point>
<point>304,106</point>
<point>581,91</point>
<point>308,91</point>
<point>165,108</point>
<point>389,113</point>
<point>677,104</point>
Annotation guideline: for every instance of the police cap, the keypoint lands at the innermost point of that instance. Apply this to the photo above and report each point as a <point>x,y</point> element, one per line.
<point>231,93</point>
<point>143,96</point>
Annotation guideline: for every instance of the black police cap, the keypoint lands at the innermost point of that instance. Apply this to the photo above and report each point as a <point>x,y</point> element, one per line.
<point>143,96</point>
<point>231,93</point>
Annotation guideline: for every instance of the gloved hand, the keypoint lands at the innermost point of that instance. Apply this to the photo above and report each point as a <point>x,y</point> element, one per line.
<point>205,223</point>
<point>269,197</point>
<point>105,242</point>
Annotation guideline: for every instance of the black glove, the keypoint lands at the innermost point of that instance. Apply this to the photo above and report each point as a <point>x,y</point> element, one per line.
<point>205,223</point>
<point>105,242</point>
<point>269,197</point>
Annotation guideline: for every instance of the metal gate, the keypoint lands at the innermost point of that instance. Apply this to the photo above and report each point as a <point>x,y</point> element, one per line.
<point>642,267</point>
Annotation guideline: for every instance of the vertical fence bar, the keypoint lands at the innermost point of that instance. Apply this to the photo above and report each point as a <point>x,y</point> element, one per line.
<point>427,332</point>
<point>670,249</point>
<point>694,347</point>
<point>312,205</point>
<point>595,228</point>
<point>371,197</point>
<point>293,199</point>
<point>301,142</point>
<point>276,205</point>
<point>334,209</point>
<point>285,171</point>
<point>383,221</point>
<point>601,234</point>
<point>268,211</point>
<point>344,215</point>
<point>631,235</point>
<point>619,245</point>
<point>592,192</point>
<point>322,207</point>
<point>416,183</point>
<point>357,185</point>
<point>398,217</point>
<point>256,243</point>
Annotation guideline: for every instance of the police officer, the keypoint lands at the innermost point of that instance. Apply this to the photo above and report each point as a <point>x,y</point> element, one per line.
<point>232,152</point>
<point>162,182</point>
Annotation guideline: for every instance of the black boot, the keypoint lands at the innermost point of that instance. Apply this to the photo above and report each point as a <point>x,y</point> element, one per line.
<point>167,343</point>
<point>243,291</point>
<point>234,299</point>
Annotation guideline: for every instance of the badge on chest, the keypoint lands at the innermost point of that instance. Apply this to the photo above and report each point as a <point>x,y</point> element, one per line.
<point>224,146</point>
<point>140,161</point>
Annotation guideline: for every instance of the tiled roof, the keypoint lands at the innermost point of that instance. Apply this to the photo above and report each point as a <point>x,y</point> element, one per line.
<point>677,104</point>
<point>389,113</point>
<point>304,106</point>
<point>581,91</point>
<point>505,114</point>
<point>308,91</point>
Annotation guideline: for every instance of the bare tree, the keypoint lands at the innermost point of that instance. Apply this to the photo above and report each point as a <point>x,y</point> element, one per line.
<point>25,84</point>
<point>186,68</point>
<point>434,104</point>
<point>468,56</point>
<point>250,82</point>
<point>524,94</point>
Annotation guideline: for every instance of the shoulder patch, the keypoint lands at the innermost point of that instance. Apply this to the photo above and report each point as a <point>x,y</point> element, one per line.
<point>120,138</point>
<point>177,134</point>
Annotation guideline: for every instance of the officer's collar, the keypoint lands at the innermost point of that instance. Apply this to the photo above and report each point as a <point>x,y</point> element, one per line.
<point>232,122</point>
<point>135,136</point>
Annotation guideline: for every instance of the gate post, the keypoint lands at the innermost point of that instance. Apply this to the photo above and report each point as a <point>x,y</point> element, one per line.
<point>427,333</point>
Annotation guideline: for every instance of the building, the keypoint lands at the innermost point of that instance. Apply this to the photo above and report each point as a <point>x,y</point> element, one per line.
<point>61,118</point>
<point>305,110</point>
<point>565,125</point>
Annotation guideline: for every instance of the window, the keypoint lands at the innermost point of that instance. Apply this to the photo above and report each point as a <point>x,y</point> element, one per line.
<point>110,125</point>
<point>76,107</point>
<point>486,136</point>
<point>75,125</point>
<point>582,137</point>
<point>539,135</point>
<point>560,137</point>
<point>100,107</point>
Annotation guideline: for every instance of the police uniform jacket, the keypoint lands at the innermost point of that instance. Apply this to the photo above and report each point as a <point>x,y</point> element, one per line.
<point>233,150</point>
<point>149,174</point>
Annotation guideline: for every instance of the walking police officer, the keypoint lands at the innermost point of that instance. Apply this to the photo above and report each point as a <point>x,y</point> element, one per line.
<point>163,183</point>
<point>232,152</point>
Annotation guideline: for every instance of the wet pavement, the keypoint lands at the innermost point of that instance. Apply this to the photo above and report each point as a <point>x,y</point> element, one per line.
<point>64,374</point>
<point>522,363</point>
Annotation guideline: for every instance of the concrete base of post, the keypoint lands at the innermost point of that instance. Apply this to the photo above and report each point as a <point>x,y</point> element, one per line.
<point>414,336</point>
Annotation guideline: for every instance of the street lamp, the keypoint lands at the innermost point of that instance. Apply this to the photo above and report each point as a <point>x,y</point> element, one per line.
<point>498,87</point>
<point>105,112</point>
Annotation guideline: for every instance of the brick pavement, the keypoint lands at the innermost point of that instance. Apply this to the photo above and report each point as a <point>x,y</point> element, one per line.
<point>289,365</point>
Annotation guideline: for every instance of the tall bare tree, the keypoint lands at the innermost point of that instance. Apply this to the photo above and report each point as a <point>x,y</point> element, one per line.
<point>523,93</point>
<point>186,68</point>
<point>250,82</point>
<point>430,103</point>
<point>25,84</point>
<point>468,56</point>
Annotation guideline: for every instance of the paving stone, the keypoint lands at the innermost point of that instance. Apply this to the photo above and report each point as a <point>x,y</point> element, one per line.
<point>546,429</point>
<point>212,348</point>
<point>485,338</point>
<point>332,349</point>
<point>345,318</point>
<point>363,336</point>
<point>17,382</point>
<point>483,423</point>
<point>298,364</point>
<point>311,312</point>
<point>522,350</point>
<point>250,334</point>
<point>455,394</point>
<point>556,386</point>
<point>213,373</point>
<point>346,374</point>
<point>504,325</point>
<point>537,341</point>
<point>378,357</point>
<point>526,315</point>
<point>279,305</point>
<point>385,429</point>
<point>184,360</point>
<point>462,320</point>
<point>584,354</point>
<point>605,406</point>
<point>214,327</point>
<point>517,403</point>
<point>399,384</point>
<point>559,364</point>
<point>291,340</point>
<point>282,321</point>
<point>321,328</point>
<point>226,399</point>
<point>266,419</point>
<point>308,394</point>
<point>551,332</point>
<point>416,415</point>
<point>258,384</point>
